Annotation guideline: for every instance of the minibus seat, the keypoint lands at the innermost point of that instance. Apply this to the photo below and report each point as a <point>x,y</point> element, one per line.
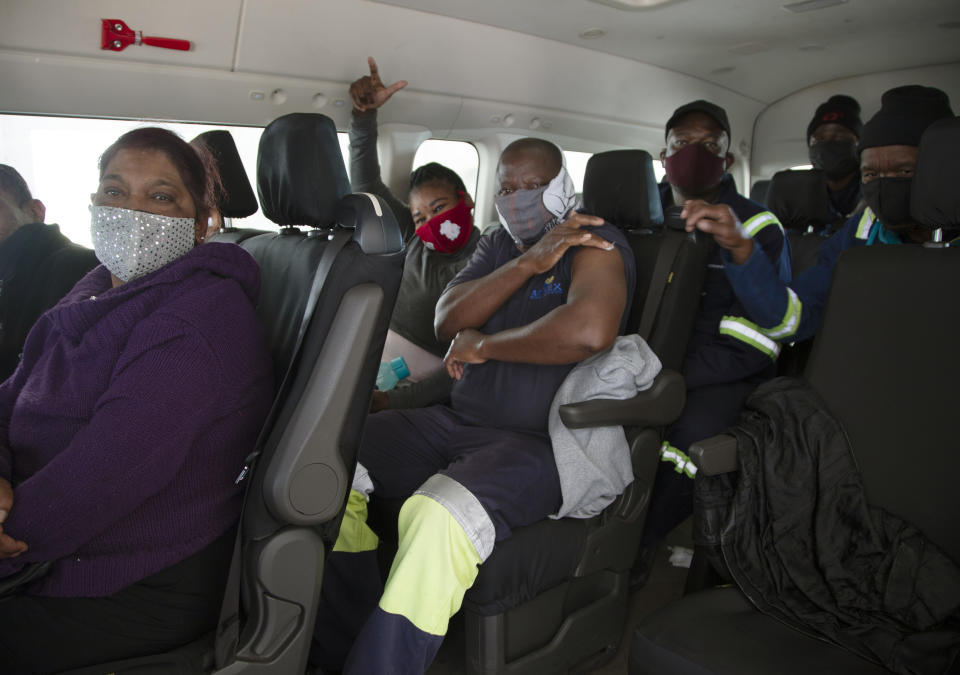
<point>886,365</point>
<point>326,299</point>
<point>553,596</point>
<point>800,202</point>
<point>236,199</point>
<point>758,192</point>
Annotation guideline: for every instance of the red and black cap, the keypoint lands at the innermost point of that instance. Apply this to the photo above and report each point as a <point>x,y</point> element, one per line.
<point>839,109</point>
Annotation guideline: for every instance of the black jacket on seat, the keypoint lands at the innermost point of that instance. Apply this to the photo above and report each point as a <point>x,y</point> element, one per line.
<point>798,536</point>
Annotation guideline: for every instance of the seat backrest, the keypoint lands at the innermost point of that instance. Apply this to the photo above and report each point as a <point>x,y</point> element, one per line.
<point>620,187</point>
<point>886,361</point>
<point>345,263</point>
<point>758,192</point>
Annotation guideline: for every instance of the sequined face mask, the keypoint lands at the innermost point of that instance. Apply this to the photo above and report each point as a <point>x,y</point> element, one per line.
<point>133,243</point>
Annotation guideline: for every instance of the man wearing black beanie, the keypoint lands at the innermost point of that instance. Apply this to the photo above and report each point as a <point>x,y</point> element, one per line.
<point>888,155</point>
<point>832,138</point>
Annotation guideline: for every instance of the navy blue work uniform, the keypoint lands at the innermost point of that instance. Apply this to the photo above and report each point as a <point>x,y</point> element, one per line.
<point>727,356</point>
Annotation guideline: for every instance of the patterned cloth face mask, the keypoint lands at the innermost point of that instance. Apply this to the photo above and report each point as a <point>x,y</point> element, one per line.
<point>528,214</point>
<point>132,244</point>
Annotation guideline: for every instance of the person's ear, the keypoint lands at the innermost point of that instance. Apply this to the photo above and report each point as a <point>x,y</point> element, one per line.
<point>200,225</point>
<point>93,197</point>
<point>663,156</point>
<point>36,210</point>
<point>468,200</point>
<point>729,161</point>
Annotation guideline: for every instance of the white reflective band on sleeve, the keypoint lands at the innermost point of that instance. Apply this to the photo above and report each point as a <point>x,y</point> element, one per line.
<point>866,223</point>
<point>791,318</point>
<point>745,331</point>
<point>465,508</point>
<point>760,221</point>
<point>362,482</point>
<point>684,464</point>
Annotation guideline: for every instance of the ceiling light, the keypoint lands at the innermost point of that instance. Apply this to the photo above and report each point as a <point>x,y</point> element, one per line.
<point>811,5</point>
<point>593,34</point>
<point>633,4</point>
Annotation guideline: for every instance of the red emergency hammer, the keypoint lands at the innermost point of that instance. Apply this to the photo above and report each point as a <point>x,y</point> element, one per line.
<point>117,36</point>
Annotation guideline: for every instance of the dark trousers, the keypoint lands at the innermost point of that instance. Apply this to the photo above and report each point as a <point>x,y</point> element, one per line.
<point>708,411</point>
<point>512,474</point>
<point>162,612</point>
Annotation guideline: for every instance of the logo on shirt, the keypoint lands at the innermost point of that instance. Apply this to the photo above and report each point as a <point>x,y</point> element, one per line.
<point>550,287</point>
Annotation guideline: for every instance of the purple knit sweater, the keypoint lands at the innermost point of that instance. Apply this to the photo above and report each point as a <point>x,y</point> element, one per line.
<point>129,417</point>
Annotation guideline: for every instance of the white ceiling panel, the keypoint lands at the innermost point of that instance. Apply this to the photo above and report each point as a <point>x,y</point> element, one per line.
<point>753,47</point>
<point>73,27</point>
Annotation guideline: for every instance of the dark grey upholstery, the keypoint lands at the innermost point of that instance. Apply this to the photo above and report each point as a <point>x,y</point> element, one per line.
<point>758,191</point>
<point>553,597</point>
<point>887,366</point>
<point>800,202</point>
<point>326,318</point>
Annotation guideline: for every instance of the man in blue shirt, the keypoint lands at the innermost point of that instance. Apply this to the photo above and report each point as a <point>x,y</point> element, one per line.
<point>888,154</point>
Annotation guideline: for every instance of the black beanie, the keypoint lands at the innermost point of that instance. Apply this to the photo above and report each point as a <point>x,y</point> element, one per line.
<point>905,112</point>
<point>839,109</point>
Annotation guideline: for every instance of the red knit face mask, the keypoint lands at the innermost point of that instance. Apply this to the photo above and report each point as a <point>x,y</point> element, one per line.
<point>694,168</point>
<point>447,232</point>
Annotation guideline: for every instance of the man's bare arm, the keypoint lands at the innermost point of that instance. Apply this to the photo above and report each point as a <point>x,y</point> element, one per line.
<point>586,324</point>
<point>471,304</point>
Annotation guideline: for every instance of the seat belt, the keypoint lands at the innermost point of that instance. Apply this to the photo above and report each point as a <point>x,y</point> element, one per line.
<point>227,636</point>
<point>662,276</point>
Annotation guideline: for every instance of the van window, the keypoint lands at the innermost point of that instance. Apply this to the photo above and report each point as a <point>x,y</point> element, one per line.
<point>460,156</point>
<point>58,157</point>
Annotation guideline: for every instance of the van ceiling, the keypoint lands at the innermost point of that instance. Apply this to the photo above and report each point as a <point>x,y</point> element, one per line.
<point>753,47</point>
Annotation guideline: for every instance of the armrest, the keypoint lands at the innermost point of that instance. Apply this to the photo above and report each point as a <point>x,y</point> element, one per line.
<point>715,455</point>
<point>658,406</point>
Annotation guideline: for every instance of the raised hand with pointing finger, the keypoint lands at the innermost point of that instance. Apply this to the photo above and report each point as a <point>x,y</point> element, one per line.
<point>369,92</point>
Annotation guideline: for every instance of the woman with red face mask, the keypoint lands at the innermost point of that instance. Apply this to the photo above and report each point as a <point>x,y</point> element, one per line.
<point>439,236</point>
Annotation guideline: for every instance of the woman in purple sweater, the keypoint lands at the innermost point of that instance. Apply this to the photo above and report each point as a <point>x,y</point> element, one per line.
<point>126,422</point>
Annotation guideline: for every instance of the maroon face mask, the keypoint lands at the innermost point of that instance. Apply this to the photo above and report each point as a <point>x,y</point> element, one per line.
<point>694,169</point>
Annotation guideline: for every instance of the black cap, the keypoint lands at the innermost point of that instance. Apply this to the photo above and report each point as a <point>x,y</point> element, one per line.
<point>905,113</point>
<point>839,109</point>
<point>718,114</point>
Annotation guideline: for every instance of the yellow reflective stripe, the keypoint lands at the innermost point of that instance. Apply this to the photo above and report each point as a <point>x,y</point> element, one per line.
<point>684,464</point>
<point>435,565</point>
<point>355,535</point>
<point>760,221</point>
<point>750,333</point>
<point>791,318</point>
<point>866,224</point>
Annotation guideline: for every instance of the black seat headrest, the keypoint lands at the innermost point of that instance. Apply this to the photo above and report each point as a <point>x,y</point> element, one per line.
<point>758,192</point>
<point>934,197</point>
<point>619,186</point>
<point>237,199</point>
<point>799,199</point>
<point>300,171</point>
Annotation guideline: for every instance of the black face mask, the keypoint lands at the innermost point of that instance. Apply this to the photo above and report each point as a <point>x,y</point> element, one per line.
<point>836,158</point>
<point>889,199</point>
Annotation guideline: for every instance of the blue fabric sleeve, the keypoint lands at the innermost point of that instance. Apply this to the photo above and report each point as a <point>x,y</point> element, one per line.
<point>788,312</point>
